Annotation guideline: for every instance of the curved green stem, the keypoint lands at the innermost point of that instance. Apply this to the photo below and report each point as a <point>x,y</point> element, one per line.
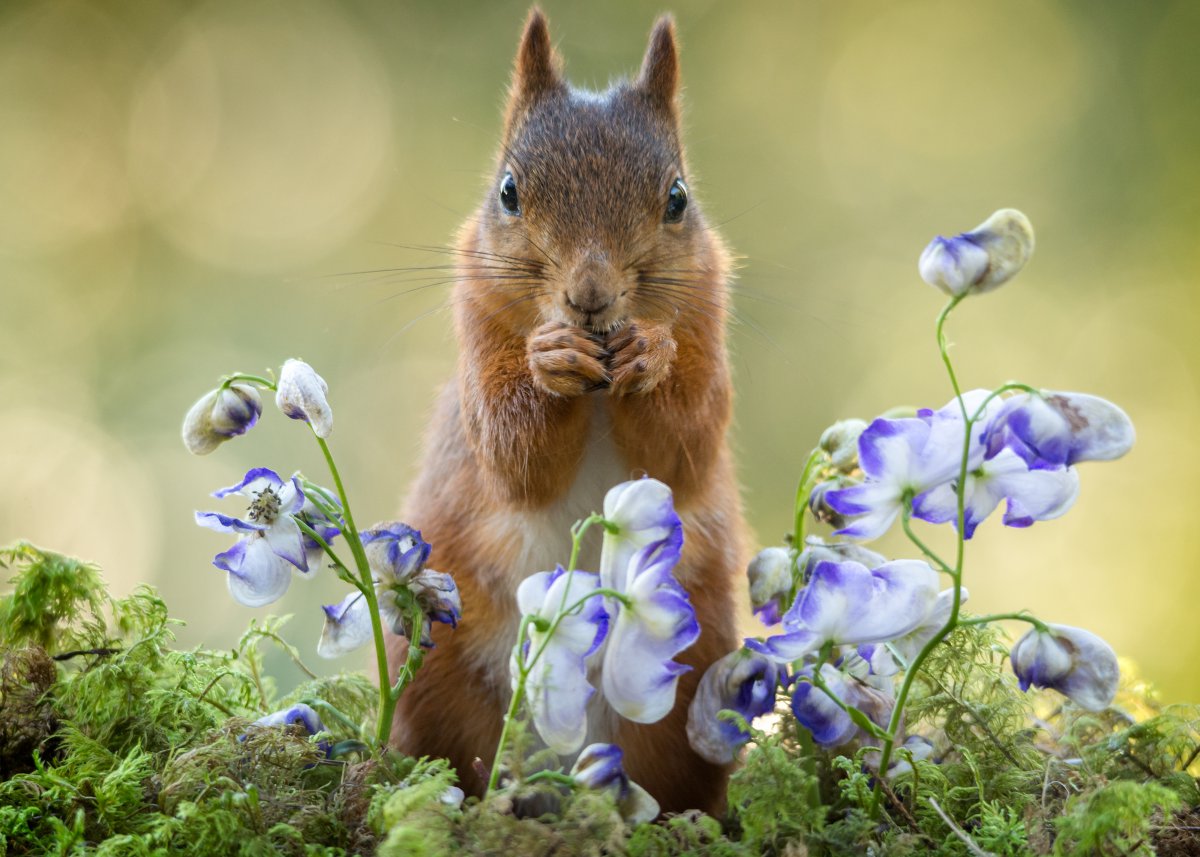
<point>803,490</point>
<point>1019,616</point>
<point>387,700</point>
<point>240,377</point>
<point>906,523</point>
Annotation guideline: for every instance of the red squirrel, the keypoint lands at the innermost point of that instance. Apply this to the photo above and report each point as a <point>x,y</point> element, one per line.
<point>590,307</point>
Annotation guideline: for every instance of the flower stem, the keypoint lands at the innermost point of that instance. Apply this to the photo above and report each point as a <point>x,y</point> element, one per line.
<point>803,490</point>
<point>1019,616</point>
<point>525,667</point>
<point>387,699</point>
<point>955,573</point>
<point>240,377</point>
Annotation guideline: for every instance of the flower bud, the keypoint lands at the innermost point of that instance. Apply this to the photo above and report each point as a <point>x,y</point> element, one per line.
<point>742,681</point>
<point>1075,662</point>
<point>599,767</point>
<point>840,440</point>
<point>818,504</point>
<point>980,260</point>
<point>770,576</point>
<point>219,415</point>
<point>301,394</point>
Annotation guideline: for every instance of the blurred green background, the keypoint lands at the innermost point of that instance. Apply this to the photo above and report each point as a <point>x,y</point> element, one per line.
<point>186,188</point>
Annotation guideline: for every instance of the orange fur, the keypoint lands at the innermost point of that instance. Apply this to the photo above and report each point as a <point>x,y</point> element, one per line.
<point>592,350</point>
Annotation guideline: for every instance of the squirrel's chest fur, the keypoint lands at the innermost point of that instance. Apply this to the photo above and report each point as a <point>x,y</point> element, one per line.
<point>542,536</point>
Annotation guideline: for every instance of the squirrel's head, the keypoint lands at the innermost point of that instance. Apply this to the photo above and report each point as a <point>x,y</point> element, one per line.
<point>589,204</point>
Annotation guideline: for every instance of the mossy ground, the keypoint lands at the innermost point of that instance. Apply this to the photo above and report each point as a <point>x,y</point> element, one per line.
<point>114,743</point>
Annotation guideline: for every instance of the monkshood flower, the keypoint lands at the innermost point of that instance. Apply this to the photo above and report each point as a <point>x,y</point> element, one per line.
<point>301,394</point>
<point>299,714</point>
<point>637,513</point>
<point>396,555</point>
<point>599,767</point>
<point>903,458</point>
<point>770,574</point>
<point>557,686</point>
<point>1075,662</point>
<point>1031,494</point>
<point>656,623</point>
<point>219,415</point>
<point>978,261</point>
<point>743,681</point>
<point>819,714</point>
<point>845,603</point>
<point>1060,429</point>
<point>271,545</point>
<point>879,656</point>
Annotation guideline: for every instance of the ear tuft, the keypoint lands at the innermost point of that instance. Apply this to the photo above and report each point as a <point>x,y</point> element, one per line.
<point>659,77</point>
<point>536,67</point>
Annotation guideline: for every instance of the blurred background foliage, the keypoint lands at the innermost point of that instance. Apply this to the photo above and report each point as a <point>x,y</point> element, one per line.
<point>188,188</point>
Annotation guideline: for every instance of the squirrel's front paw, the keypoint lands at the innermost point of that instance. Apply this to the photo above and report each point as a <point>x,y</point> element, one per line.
<point>640,358</point>
<point>565,361</point>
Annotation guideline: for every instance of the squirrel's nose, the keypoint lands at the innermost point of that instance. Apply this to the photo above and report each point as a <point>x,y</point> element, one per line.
<point>589,303</point>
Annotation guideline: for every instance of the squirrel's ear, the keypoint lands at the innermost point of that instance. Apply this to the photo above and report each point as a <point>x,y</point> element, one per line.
<point>659,77</point>
<point>536,69</point>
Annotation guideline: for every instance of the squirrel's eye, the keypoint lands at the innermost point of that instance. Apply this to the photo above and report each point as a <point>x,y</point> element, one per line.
<point>508,195</point>
<point>676,202</point>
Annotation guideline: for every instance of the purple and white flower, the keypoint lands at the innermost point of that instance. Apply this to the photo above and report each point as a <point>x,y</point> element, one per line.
<point>978,261</point>
<point>219,415</point>
<point>557,685</point>
<point>300,714</point>
<point>599,767</point>
<point>396,555</point>
<point>1075,662</point>
<point>845,603</point>
<point>301,394</point>
<point>271,544</point>
<point>1031,494</point>
<point>1060,429</point>
<point>637,513</point>
<point>743,681</point>
<point>770,574</point>
<point>655,623</point>
<point>903,458</point>
<point>830,725</point>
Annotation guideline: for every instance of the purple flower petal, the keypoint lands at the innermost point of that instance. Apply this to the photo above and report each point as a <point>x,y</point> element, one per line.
<point>557,687</point>
<point>347,626</point>
<point>643,513</point>
<point>254,481</point>
<point>256,575</point>
<point>227,524</point>
<point>742,681</point>
<point>639,675</point>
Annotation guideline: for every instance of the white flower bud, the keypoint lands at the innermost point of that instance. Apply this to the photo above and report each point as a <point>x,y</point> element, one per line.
<point>840,440</point>
<point>219,415</point>
<point>301,394</point>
